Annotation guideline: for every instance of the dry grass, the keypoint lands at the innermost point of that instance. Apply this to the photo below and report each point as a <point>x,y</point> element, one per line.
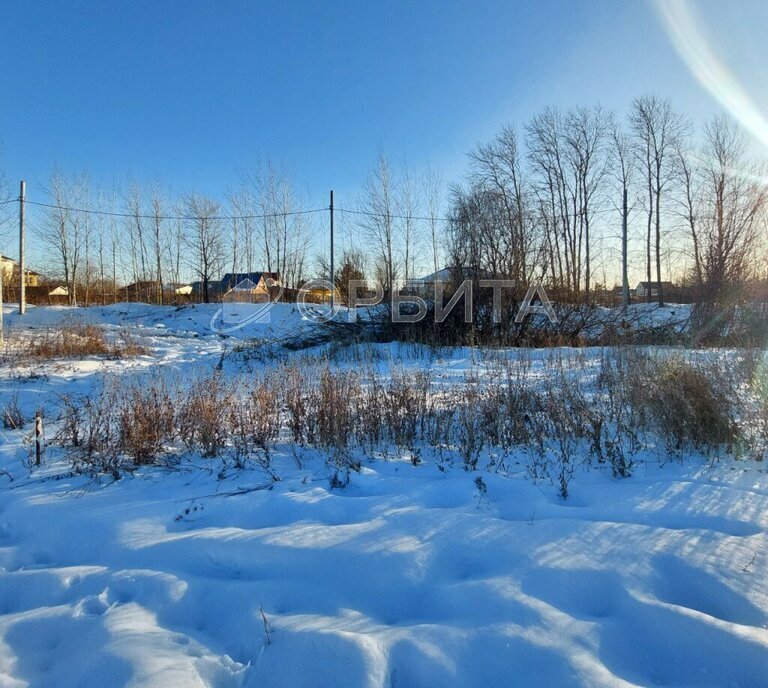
<point>13,418</point>
<point>554,421</point>
<point>74,341</point>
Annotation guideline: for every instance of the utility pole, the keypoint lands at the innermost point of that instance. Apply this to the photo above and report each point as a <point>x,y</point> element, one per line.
<point>22,281</point>
<point>333,281</point>
<point>2,277</point>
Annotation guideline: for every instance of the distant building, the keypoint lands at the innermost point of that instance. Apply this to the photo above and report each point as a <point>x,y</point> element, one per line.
<point>247,301</point>
<point>642,289</point>
<point>260,280</point>
<point>441,280</point>
<point>263,282</point>
<point>9,268</point>
<point>322,294</point>
<point>247,291</point>
<point>148,290</point>
<point>428,283</point>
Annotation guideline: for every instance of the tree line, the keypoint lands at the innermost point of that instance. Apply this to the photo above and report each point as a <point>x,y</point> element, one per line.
<point>539,204</point>
<point>572,199</point>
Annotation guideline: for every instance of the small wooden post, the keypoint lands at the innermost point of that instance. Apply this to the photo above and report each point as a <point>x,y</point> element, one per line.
<point>38,438</point>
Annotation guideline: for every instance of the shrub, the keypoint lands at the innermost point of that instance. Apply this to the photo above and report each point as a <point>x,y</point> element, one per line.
<point>406,406</point>
<point>13,418</point>
<point>334,408</point>
<point>689,405</point>
<point>146,422</point>
<point>470,437</point>
<point>201,415</point>
<point>254,421</point>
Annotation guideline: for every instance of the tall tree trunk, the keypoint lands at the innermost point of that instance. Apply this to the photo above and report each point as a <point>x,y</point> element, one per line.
<point>658,248</point>
<point>624,248</point>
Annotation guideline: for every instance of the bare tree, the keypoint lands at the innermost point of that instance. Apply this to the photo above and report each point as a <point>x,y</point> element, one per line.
<point>136,239</point>
<point>496,168</point>
<point>569,161</point>
<point>243,228</point>
<point>268,192</point>
<point>63,231</point>
<point>432,184</point>
<point>690,185</point>
<point>377,205</point>
<point>175,247</point>
<point>408,207</point>
<point>623,169</point>
<point>158,206</point>
<point>554,188</point>
<point>656,129</point>
<point>585,135</point>
<point>734,210</point>
<point>207,253</point>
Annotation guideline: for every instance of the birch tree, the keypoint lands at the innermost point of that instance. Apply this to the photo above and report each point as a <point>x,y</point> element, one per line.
<point>656,130</point>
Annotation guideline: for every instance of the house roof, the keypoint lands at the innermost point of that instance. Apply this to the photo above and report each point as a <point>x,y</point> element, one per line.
<point>443,274</point>
<point>447,273</point>
<point>233,278</point>
<point>15,262</point>
<point>244,285</point>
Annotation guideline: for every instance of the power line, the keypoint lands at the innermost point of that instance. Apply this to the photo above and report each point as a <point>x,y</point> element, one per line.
<point>261,216</point>
<point>391,216</point>
<point>142,216</point>
<point>435,218</point>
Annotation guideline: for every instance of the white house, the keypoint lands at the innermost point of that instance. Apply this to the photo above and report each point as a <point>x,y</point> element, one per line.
<point>641,290</point>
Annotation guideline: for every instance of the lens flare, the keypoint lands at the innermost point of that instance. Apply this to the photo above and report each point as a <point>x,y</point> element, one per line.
<point>689,40</point>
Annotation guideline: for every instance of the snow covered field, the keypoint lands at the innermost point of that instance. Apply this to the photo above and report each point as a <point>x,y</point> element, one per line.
<point>408,576</point>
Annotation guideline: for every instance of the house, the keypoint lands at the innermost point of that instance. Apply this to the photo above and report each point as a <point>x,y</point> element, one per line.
<point>430,284</point>
<point>249,286</point>
<point>246,291</point>
<point>176,289</point>
<point>9,269</point>
<point>642,289</point>
<point>263,281</point>
<point>143,290</point>
<point>246,301</point>
<point>321,294</point>
<point>60,290</point>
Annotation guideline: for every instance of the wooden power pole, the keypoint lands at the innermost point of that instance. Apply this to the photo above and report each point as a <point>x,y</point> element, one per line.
<point>333,276</point>
<point>2,277</point>
<point>22,280</point>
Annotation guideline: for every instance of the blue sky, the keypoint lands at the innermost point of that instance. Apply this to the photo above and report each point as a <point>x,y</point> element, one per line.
<point>188,92</point>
